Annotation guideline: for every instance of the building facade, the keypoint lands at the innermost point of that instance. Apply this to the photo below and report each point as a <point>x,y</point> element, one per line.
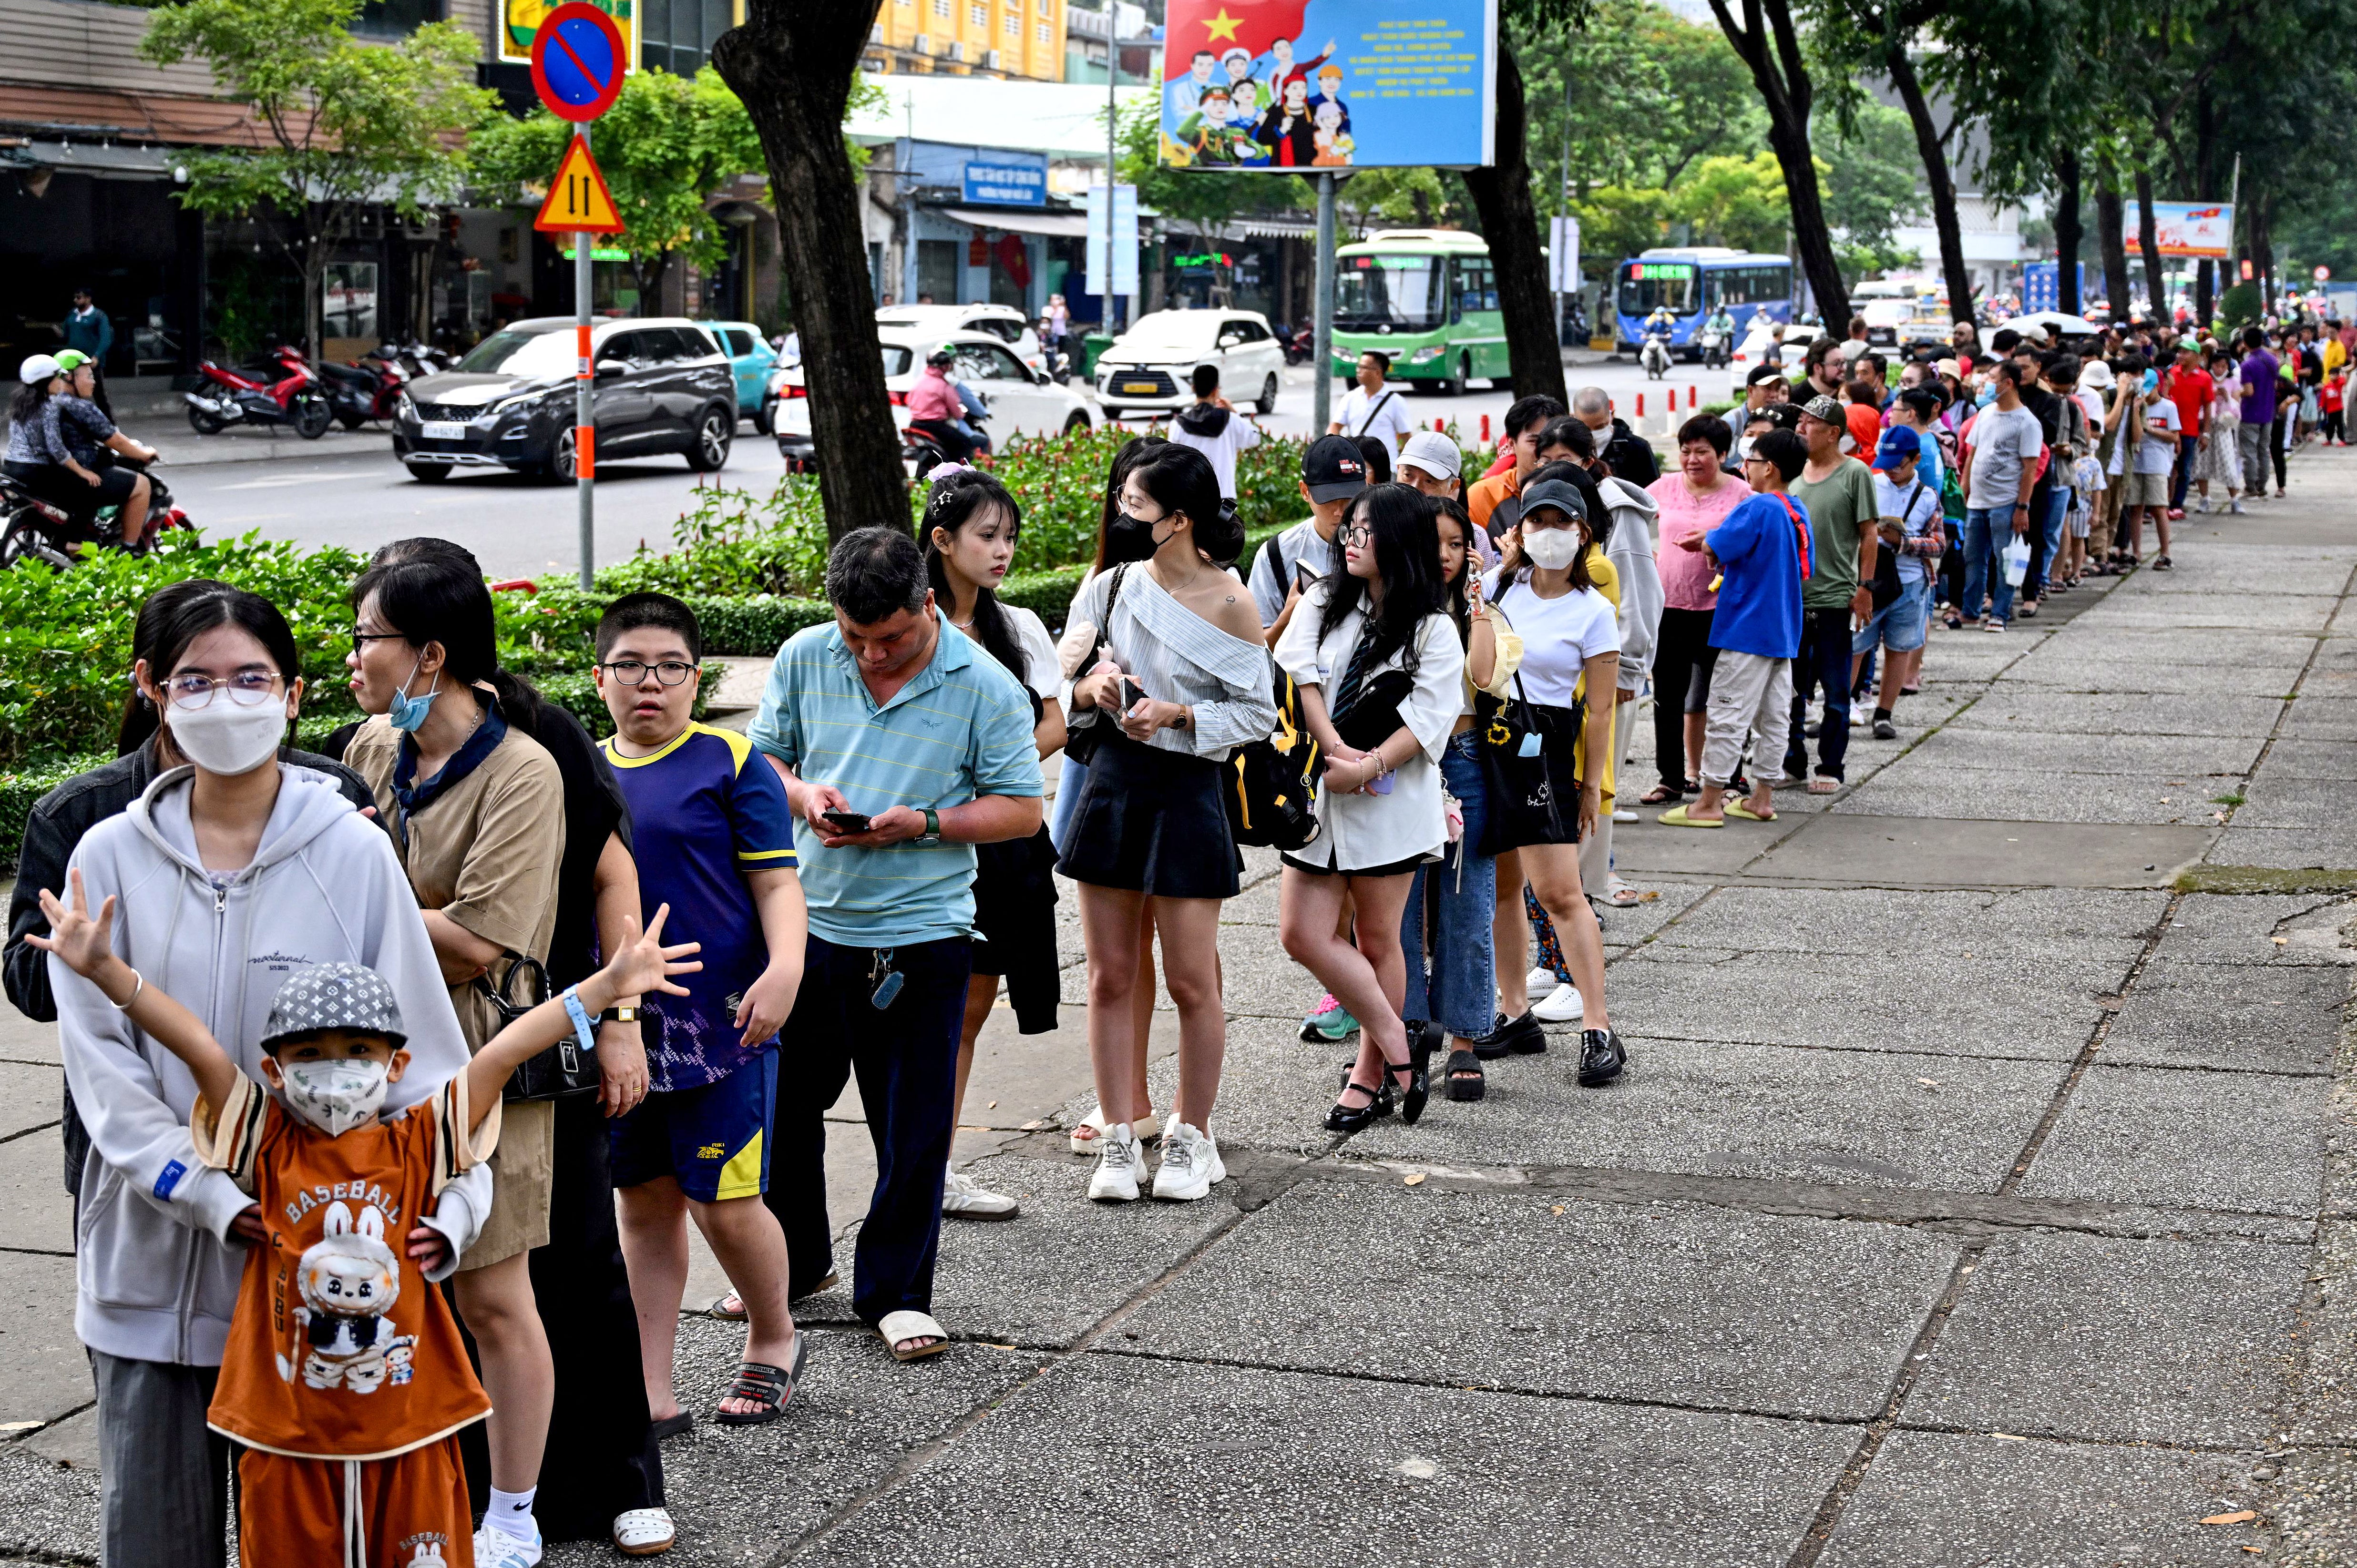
<point>1006,39</point>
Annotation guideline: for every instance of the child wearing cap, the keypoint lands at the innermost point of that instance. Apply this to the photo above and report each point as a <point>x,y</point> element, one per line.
<point>1911,529</point>
<point>344,1376</point>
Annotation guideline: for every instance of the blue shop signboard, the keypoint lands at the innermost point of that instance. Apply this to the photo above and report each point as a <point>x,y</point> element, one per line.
<point>997,184</point>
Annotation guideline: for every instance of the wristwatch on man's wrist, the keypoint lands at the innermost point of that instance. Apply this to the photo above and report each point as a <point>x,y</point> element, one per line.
<point>933,834</point>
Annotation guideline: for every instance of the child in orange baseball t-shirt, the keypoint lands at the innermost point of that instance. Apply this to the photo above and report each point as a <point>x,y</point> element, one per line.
<point>345,1376</point>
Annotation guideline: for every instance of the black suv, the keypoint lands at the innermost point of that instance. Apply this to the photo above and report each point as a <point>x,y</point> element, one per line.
<point>663,385</point>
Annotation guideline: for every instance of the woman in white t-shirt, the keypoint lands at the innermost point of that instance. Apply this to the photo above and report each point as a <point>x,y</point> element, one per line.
<point>970,526</point>
<point>1571,649</point>
<point>1380,669</point>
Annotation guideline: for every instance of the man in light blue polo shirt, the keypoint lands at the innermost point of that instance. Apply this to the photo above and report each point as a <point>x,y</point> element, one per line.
<point>901,746</point>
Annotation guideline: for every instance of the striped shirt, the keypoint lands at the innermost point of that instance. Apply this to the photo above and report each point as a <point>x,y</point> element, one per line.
<point>1176,656</point>
<point>961,729</point>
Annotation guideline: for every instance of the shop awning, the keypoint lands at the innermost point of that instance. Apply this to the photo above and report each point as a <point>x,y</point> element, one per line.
<point>1022,220</point>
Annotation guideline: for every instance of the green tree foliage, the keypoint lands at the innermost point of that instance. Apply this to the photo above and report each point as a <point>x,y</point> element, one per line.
<point>665,145</point>
<point>1735,201</point>
<point>348,125</point>
<point>1870,189</point>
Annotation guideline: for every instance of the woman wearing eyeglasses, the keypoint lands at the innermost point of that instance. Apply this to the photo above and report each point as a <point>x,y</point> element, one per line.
<point>237,865</point>
<point>476,810</point>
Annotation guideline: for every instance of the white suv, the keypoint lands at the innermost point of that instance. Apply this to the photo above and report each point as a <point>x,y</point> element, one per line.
<point>1149,365</point>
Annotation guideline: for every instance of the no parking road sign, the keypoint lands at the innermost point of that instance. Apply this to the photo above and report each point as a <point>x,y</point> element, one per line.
<point>577,61</point>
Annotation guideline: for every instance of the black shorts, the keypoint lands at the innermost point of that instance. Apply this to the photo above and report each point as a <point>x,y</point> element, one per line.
<point>1396,868</point>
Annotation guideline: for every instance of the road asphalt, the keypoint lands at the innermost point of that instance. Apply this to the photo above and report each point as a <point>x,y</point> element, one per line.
<point>1980,1191</point>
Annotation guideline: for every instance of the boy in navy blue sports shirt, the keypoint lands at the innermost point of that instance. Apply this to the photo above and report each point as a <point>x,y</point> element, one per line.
<point>716,841</point>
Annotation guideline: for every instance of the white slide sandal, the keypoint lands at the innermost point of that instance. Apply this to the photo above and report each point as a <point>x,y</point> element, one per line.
<point>910,1325</point>
<point>642,1532</point>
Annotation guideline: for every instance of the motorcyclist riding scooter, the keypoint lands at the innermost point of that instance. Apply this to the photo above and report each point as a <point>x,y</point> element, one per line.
<point>1657,330</point>
<point>937,413</point>
<point>1717,332</point>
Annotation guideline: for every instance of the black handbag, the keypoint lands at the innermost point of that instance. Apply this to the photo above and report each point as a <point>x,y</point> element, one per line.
<point>1374,716</point>
<point>1085,729</point>
<point>1527,764</point>
<point>563,1070</point>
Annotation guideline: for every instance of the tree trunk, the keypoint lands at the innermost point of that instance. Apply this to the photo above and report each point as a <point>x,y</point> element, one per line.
<point>2205,187</point>
<point>1941,179</point>
<point>793,64</point>
<point>2066,233</point>
<point>2111,237</point>
<point>2263,248</point>
<point>2149,242</point>
<point>1501,195</point>
<point>1786,92</point>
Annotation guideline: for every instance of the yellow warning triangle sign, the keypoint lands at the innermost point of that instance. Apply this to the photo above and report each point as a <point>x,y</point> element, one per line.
<point>578,201</point>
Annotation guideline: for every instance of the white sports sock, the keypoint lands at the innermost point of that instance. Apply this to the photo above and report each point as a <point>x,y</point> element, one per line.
<point>512,1512</point>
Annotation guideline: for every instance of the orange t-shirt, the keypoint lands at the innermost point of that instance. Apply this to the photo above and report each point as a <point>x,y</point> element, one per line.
<point>338,1347</point>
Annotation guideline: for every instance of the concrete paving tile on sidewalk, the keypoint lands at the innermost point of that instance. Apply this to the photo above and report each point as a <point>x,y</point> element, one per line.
<point>23,1040</point>
<point>2097,714</point>
<point>2239,929</point>
<point>1048,1275</point>
<point>1933,789</point>
<point>742,1494</point>
<point>43,1373</point>
<point>2327,808</point>
<point>1868,1119</point>
<point>2087,923</point>
<point>1937,1499</point>
<point>1551,1295</point>
<point>2282,1019</point>
<point>2314,847</point>
<point>1916,852</point>
<point>36,1211</point>
<point>2238,1140</point>
<point>1311,1472</point>
<point>2196,612</point>
<point>47,1512</point>
<point>2294,756</point>
<point>2115,1340</point>
<point>2245,645</point>
<point>2190,681</point>
<point>2322,718</point>
<point>2157,757</point>
<point>1993,1005</point>
<point>29,1097</point>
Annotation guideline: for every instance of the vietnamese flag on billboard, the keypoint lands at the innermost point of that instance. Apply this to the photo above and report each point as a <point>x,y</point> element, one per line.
<point>1299,85</point>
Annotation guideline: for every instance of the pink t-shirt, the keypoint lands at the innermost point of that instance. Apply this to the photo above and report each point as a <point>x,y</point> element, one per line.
<point>1687,574</point>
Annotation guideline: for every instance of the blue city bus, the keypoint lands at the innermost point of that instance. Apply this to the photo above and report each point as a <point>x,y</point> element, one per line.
<point>1693,281</point>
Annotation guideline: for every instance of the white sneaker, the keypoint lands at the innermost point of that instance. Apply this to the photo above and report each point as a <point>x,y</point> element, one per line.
<point>1539,981</point>
<point>1561,1006</point>
<point>2201,503</point>
<point>1621,815</point>
<point>1119,1160</point>
<point>1190,1166</point>
<point>2237,508</point>
<point>495,1548</point>
<point>962,1198</point>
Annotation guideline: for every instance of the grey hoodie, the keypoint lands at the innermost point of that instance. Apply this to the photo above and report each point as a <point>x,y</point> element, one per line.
<point>1630,550</point>
<point>157,1276</point>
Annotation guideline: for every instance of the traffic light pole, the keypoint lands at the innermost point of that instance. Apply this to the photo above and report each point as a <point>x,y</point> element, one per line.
<point>584,381</point>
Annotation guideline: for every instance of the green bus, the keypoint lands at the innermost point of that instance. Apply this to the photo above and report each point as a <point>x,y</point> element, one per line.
<point>1427,298</point>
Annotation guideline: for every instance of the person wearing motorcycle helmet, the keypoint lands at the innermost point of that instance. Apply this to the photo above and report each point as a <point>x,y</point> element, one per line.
<point>38,457</point>
<point>94,442</point>
<point>936,410</point>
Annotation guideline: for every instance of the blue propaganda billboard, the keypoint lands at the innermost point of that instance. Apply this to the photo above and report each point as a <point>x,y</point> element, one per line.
<point>1310,84</point>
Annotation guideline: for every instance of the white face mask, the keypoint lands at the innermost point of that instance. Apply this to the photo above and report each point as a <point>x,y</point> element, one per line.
<point>224,738</point>
<point>335,1096</point>
<point>1551,548</point>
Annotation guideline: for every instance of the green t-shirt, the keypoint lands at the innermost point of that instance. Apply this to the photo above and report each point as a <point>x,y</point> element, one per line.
<point>1837,504</point>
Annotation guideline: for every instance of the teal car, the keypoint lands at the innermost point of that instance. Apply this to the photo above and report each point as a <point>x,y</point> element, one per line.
<point>751,357</point>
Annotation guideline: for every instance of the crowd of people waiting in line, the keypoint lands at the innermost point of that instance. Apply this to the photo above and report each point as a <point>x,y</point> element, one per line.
<point>471,997</point>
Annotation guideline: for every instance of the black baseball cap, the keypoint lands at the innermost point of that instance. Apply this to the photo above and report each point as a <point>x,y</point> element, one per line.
<point>1333,468</point>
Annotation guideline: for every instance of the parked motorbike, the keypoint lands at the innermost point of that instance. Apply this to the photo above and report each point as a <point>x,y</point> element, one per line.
<point>416,359</point>
<point>32,529</point>
<point>282,389</point>
<point>1297,344</point>
<point>1657,354</point>
<point>364,390</point>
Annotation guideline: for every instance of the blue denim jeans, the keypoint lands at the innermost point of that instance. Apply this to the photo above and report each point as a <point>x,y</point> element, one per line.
<point>1988,530</point>
<point>1458,990</point>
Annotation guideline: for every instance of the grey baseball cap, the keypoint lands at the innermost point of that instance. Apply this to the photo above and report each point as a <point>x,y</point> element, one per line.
<point>334,996</point>
<point>1432,452</point>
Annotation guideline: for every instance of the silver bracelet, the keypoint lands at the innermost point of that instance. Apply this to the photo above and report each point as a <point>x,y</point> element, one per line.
<point>124,1006</point>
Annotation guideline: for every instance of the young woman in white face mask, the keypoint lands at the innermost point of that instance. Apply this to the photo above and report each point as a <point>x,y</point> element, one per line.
<point>248,869</point>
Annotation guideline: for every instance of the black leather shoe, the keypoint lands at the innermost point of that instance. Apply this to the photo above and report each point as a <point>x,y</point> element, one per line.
<point>1523,1036</point>
<point>1601,1057</point>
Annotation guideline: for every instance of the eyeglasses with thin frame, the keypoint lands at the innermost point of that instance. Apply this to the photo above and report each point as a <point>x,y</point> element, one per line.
<point>634,671</point>
<point>361,640</point>
<point>247,689</point>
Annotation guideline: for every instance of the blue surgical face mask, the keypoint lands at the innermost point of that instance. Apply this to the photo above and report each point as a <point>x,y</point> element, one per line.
<point>407,714</point>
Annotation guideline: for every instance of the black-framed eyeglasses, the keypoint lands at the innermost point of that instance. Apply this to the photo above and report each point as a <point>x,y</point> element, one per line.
<point>1354,532</point>
<point>361,640</point>
<point>634,671</point>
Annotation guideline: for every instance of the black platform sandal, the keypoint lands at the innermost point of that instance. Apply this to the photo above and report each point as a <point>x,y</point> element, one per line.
<point>1467,1081</point>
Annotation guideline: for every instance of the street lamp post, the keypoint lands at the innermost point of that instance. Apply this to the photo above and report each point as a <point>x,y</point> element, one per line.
<point>1321,339</point>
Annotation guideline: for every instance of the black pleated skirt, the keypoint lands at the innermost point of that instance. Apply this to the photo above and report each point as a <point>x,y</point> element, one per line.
<point>1153,821</point>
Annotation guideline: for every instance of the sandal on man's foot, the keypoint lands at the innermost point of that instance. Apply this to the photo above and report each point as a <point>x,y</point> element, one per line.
<point>1659,795</point>
<point>671,1426</point>
<point>1467,1081</point>
<point>908,1327</point>
<point>770,1388</point>
<point>2164,565</point>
